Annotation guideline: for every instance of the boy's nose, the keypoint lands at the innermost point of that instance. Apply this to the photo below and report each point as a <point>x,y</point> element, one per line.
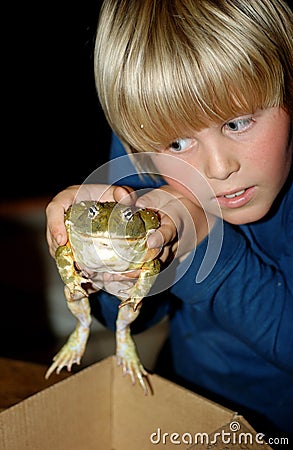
<point>220,166</point>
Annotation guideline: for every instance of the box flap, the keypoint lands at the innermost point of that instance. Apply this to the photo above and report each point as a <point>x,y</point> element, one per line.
<point>72,414</point>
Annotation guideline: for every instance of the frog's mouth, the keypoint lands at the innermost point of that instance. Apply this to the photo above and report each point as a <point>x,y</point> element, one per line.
<point>105,253</point>
<point>110,235</point>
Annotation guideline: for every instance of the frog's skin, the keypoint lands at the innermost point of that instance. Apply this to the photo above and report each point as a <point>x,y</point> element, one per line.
<point>105,237</point>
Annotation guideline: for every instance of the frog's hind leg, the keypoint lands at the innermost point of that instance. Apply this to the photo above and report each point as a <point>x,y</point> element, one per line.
<point>74,348</point>
<point>126,352</point>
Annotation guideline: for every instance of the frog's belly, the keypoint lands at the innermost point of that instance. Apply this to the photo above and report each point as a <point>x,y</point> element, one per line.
<point>104,254</point>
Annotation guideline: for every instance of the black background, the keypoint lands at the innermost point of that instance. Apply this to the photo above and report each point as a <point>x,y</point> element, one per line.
<point>54,131</point>
<point>53,134</point>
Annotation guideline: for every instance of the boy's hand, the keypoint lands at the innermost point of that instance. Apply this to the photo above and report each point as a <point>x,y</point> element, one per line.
<point>183,223</point>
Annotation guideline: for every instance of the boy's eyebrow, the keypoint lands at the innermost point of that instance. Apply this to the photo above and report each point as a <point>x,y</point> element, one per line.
<point>208,65</point>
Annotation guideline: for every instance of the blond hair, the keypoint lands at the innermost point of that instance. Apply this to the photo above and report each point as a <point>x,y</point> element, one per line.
<point>164,68</point>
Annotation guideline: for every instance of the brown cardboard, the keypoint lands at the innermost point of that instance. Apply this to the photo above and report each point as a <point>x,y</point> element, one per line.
<point>99,409</point>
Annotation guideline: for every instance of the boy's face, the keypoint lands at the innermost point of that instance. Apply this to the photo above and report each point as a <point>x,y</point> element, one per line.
<point>245,162</point>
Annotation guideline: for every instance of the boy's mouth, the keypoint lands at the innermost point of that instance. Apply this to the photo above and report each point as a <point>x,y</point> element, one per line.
<point>235,194</point>
<point>236,198</point>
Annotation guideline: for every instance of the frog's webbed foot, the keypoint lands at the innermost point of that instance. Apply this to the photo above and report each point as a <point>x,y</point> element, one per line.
<point>71,353</point>
<point>133,367</point>
<point>126,353</point>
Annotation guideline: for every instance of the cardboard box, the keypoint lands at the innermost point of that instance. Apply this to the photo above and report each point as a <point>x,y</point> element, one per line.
<point>99,409</point>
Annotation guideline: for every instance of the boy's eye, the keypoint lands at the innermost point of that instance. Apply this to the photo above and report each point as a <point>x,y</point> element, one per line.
<point>180,145</point>
<point>238,125</point>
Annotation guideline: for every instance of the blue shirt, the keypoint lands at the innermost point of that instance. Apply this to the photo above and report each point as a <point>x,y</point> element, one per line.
<point>232,333</point>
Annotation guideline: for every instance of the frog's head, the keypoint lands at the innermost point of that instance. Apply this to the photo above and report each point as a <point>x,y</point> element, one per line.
<point>111,219</point>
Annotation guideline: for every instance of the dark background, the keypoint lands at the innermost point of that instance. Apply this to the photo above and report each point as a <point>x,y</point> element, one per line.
<point>54,133</point>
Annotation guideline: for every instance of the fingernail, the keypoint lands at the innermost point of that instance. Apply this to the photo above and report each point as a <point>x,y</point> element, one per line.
<point>59,239</point>
<point>140,203</point>
<point>155,240</point>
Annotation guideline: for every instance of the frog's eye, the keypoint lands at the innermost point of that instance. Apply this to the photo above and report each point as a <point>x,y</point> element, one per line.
<point>93,211</point>
<point>128,213</point>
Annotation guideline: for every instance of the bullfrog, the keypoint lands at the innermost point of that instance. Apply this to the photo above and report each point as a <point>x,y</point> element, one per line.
<point>106,237</point>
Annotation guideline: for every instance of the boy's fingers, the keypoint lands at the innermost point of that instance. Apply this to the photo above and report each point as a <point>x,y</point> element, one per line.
<point>163,236</point>
<point>125,195</point>
<point>55,239</point>
<point>56,231</point>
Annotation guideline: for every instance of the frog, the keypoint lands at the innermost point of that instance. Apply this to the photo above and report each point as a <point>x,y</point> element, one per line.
<point>106,237</point>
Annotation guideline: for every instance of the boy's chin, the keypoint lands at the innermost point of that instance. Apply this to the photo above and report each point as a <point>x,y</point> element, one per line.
<point>245,216</point>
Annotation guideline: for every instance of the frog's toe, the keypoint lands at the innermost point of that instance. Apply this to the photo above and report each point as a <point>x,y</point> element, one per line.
<point>56,366</point>
<point>143,381</point>
<point>135,370</point>
<point>65,358</point>
<point>50,370</point>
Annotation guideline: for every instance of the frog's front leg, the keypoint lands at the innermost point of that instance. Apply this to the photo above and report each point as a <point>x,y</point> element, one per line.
<point>149,272</point>
<point>126,353</point>
<point>71,277</point>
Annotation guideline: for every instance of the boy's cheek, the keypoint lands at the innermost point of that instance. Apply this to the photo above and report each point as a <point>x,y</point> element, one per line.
<point>197,194</point>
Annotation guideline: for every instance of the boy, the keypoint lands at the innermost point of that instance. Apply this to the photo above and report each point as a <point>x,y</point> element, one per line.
<point>209,85</point>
